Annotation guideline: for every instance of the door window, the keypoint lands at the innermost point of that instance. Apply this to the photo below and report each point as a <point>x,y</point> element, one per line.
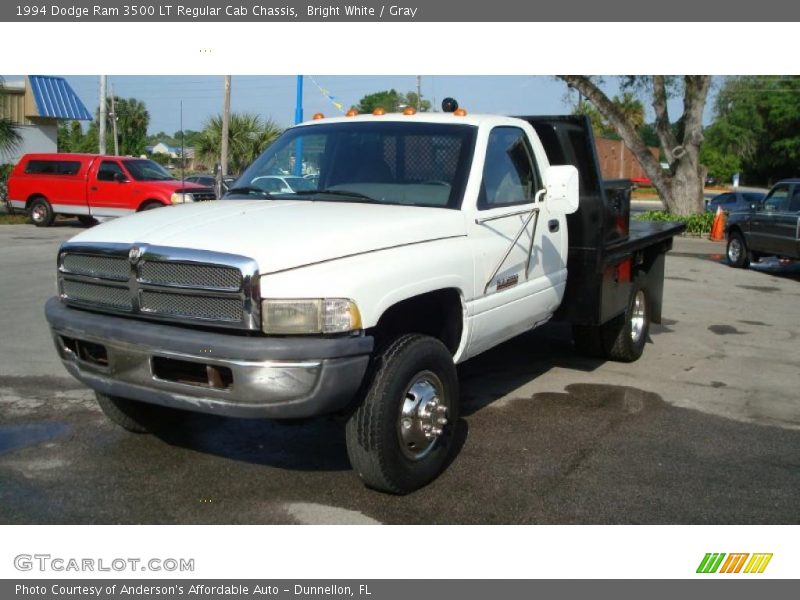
<point>509,174</point>
<point>794,203</point>
<point>109,170</point>
<point>778,198</point>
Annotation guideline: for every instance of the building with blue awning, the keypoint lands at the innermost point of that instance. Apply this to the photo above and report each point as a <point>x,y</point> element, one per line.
<point>35,106</point>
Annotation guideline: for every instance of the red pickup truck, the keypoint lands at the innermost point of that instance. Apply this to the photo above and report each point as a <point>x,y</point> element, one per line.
<point>91,185</point>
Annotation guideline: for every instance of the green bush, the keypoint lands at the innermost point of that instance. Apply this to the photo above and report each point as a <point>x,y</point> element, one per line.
<point>695,224</point>
<point>5,171</point>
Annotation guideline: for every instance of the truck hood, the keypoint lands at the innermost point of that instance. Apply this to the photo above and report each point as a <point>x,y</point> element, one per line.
<point>281,234</point>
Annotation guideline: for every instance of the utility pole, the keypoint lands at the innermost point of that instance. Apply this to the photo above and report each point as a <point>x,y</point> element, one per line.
<point>102,123</point>
<point>183,152</point>
<point>419,93</point>
<point>114,122</point>
<point>298,118</point>
<point>226,118</point>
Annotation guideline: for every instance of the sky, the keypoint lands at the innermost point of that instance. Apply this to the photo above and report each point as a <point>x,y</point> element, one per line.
<point>274,96</point>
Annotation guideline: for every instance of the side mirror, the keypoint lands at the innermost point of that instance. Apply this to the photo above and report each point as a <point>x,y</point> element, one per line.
<point>562,189</point>
<point>120,178</point>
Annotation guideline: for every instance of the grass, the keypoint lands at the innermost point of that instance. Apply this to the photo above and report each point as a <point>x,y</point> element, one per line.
<point>696,224</point>
<point>6,219</point>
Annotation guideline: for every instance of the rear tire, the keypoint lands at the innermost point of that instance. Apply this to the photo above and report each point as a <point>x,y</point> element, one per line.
<point>139,417</point>
<point>621,339</point>
<point>87,220</point>
<point>41,213</point>
<point>402,435</point>
<point>736,251</point>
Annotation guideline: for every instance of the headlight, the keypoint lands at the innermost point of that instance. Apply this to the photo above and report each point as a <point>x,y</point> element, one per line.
<point>181,198</point>
<point>309,316</point>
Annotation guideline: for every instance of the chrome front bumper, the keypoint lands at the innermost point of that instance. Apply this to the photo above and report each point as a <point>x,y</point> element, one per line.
<point>220,373</point>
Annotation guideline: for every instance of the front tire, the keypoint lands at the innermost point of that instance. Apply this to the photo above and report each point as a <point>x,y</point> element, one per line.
<point>401,436</point>
<point>621,339</point>
<point>150,205</point>
<point>41,213</point>
<point>736,251</point>
<point>139,417</point>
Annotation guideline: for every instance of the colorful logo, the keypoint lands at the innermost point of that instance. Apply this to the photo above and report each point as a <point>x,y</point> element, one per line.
<point>734,563</point>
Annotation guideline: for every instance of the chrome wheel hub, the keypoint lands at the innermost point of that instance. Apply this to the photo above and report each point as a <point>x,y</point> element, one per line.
<point>734,250</point>
<point>637,317</point>
<point>38,213</point>
<point>423,416</point>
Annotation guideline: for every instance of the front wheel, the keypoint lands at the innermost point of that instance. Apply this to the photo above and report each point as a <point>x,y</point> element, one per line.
<point>401,436</point>
<point>139,417</point>
<point>151,205</point>
<point>737,251</point>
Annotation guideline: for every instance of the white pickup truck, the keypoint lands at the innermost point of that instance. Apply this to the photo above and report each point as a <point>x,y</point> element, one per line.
<point>427,239</point>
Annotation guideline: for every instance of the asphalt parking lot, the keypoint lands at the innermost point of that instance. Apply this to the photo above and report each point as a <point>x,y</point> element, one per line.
<point>705,428</point>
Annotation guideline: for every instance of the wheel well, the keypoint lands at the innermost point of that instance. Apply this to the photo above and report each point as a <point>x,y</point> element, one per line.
<point>33,197</point>
<point>149,201</point>
<point>438,314</point>
<point>735,229</point>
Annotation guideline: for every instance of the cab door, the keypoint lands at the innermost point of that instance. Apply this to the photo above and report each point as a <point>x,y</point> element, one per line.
<point>765,230</point>
<point>110,190</point>
<point>517,243</point>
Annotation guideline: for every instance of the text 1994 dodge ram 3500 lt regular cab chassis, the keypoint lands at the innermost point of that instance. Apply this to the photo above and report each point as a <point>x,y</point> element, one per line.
<point>430,238</point>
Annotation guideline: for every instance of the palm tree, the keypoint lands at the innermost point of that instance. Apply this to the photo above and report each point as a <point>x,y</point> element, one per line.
<point>631,108</point>
<point>132,121</point>
<point>248,136</point>
<point>10,138</point>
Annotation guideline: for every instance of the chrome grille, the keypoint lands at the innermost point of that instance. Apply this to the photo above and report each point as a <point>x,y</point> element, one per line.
<point>162,283</point>
<point>105,267</point>
<point>191,275</point>
<point>196,307</point>
<point>99,294</point>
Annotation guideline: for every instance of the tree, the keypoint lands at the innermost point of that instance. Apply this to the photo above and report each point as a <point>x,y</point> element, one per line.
<point>132,121</point>
<point>248,136</point>
<point>390,101</point>
<point>10,139</point>
<point>681,186</point>
<point>756,128</point>
<point>71,137</point>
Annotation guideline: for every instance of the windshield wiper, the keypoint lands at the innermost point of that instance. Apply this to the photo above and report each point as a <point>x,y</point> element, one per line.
<point>248,189</point>
<point>357,196</point>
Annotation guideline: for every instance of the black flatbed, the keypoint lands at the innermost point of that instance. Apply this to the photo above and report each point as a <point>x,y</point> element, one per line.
<point>644,234</point>
<point>609,254</point>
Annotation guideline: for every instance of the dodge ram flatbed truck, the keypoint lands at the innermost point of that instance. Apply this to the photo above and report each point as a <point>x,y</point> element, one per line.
<point>429,239</point>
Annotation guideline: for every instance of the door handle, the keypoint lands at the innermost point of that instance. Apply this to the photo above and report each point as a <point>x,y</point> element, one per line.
<point>93,188</point>
<point>553,225</point>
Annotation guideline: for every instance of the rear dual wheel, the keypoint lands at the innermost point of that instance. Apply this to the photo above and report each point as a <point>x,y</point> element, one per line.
<point>622,338</point>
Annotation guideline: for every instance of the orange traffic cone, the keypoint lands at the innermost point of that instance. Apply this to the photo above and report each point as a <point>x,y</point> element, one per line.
<point>718,226</point>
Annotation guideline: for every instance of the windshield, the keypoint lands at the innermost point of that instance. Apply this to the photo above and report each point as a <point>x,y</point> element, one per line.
<point>147,170</point>
<point>418,164</point>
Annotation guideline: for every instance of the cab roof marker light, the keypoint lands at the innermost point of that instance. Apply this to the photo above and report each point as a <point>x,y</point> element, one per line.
<point>317,116</point>
<point>351,113</point>
<point>379,111</point>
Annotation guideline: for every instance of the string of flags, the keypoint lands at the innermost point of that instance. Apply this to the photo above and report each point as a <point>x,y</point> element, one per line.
<point>339,105</point>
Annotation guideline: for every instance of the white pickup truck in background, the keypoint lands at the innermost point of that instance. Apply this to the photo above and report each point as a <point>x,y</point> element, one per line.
<point>428,239</point>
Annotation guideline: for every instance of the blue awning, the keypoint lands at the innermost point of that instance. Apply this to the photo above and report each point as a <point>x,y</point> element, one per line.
<point>56,99</point>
